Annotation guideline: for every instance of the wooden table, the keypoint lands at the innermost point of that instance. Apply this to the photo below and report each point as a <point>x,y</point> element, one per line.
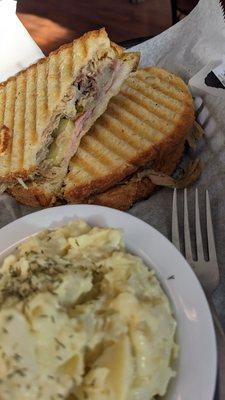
<point>53,22</point>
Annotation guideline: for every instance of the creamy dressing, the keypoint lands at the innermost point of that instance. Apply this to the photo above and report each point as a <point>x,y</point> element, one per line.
<point>80,318</point>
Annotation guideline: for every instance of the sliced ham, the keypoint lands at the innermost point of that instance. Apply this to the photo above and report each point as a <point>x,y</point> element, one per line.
<point>80,121</point>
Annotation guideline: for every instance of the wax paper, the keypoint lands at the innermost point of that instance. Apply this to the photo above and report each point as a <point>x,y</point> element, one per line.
<point>17,48</point>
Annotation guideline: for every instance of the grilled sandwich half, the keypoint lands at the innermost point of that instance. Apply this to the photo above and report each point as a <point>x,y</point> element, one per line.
<point>144,128</point>
<point>74,83</point>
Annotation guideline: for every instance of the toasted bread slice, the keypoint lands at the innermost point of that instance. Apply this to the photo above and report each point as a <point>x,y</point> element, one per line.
<point>151,115</point>
<point>149,119</point>
<point>45,188</point>
<point>33,102</point>
<point>123,196</point>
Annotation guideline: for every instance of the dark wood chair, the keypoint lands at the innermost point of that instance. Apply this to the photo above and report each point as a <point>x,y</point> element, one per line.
<point>180,8</point>
<point>53,22</point>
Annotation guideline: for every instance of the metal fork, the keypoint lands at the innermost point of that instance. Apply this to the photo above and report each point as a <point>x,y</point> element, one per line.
<point>207,271</point>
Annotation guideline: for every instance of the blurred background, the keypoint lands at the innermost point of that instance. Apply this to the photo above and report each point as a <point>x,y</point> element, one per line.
<point>53,22</point>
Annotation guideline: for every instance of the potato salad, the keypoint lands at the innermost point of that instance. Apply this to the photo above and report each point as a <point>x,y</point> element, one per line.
<point>81,318</point>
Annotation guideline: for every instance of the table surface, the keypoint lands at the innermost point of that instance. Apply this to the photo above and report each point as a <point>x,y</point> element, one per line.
<point>52,23</point>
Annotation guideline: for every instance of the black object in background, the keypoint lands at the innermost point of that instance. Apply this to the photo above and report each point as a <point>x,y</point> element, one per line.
<point>212,81</point>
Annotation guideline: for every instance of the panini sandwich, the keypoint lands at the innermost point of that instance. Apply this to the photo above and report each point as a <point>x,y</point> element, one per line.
<point>74,83</point>
<point>143,129</point>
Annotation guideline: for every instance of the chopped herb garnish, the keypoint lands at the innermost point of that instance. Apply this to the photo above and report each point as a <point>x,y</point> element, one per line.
<point>53,318</point>
<point>43,316</point>
<point>171,277</point>
<point>9,318</point>
<point>60,343</point>
<point>17,357</point>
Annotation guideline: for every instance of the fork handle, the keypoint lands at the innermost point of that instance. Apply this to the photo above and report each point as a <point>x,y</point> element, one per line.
<point>220,350</point>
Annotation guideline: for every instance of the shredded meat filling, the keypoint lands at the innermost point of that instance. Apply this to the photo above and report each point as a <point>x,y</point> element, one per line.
<point>90,90</point>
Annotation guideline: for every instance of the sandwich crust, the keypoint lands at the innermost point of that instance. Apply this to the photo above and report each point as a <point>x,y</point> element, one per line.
<point>124,196</point>
<point>5,138</point>
<point>34,196</point>
<point>121,196</point>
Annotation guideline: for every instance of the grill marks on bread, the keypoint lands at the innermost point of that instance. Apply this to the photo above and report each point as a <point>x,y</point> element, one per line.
<point>153,111</point>
<point>31,101</point>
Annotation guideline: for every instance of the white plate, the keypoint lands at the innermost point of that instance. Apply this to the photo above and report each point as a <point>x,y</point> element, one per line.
<point>197,361</point>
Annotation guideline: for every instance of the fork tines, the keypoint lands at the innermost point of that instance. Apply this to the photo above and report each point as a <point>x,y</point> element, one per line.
<point>198,233</point>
